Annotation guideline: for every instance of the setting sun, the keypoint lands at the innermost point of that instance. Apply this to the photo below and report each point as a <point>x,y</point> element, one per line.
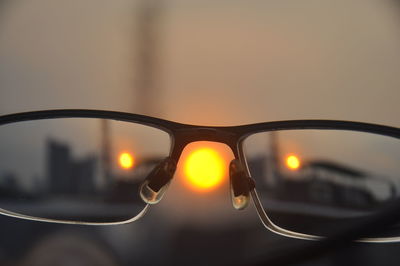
<point>126,160</point>
<point>204,168</point>
<point>292,162</point>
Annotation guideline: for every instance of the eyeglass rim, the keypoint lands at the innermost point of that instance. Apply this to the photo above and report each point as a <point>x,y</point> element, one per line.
<point>183,134</point>
<point>237,134</point>
<point>240,131</point>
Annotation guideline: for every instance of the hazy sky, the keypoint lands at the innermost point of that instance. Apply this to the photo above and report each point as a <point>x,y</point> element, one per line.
<point>220,62</point>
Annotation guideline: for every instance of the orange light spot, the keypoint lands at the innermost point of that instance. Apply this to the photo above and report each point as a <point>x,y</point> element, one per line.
<point>292,162</point>
<point>126,160</point>
<point>204,168</point>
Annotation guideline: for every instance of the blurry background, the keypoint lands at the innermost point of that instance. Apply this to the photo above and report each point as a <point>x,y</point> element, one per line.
<point>200,62</point>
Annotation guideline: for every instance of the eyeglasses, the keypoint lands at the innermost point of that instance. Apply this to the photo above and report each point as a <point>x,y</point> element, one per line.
<point>306,178</point>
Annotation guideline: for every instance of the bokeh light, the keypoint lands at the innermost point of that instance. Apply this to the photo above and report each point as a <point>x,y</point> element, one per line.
<point>126,160</point>
<point>292,162</point>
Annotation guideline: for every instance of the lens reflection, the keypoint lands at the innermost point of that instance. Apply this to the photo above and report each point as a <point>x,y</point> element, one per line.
<point>320,181</point>
<point>77,169</point>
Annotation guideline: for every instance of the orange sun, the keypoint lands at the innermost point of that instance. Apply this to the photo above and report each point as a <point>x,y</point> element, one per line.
<point>204,168</point>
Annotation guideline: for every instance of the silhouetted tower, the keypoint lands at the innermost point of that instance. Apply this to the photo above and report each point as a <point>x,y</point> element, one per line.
<point>273,161</point>
<point>106,152</point>
<point>147,90</point>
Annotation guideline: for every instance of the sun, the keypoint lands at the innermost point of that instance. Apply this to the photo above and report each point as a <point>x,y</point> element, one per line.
<point>204,168</point>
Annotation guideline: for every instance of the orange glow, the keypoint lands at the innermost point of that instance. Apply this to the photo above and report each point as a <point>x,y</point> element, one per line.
<point>126,160</point>
<point>292,162</point>
<point>204,168</point>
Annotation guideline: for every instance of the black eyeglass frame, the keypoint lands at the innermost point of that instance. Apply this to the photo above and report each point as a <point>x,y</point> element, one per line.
<point>233,136</point>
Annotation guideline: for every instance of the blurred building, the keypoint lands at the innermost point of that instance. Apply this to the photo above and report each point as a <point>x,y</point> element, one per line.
<point>8,185</point>
<point>67,175</point>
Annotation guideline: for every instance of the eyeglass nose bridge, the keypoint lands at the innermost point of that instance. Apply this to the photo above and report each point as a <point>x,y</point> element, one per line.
<point>183,137</point>
<point>157,182</point>
<point>153,189</point>
<point>240,182</point>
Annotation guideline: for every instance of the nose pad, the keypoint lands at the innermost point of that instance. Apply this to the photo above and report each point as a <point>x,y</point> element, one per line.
<point>154,187</point>
<point>240,185</point>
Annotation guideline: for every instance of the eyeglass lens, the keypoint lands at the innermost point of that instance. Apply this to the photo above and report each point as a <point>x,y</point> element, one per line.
<point>317,182</point>
<point>77,169</point>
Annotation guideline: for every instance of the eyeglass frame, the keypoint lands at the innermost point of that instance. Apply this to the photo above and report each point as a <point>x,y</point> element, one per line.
<point>233,136</point>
